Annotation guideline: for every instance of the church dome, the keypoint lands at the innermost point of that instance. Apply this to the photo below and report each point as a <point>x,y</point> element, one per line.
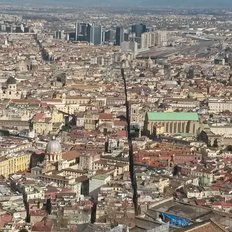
<point>53,147</point>
<point>11,81</point>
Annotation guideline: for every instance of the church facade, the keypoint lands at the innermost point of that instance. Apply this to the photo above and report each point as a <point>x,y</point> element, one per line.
<point>171,123</point>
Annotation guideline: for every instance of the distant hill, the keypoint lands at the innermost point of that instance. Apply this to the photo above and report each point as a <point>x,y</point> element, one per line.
<point>128,3</point>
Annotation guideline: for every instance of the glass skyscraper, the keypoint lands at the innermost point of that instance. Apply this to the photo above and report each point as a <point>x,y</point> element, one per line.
<point>119,35</point>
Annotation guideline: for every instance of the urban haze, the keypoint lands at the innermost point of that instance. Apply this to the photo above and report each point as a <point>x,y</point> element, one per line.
<point>127,3</point>
<point>115,116</point>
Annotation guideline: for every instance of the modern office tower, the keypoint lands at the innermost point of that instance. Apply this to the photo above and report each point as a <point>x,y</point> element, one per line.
<point>126,36</point>
<point>72,36</point>
<point>90,33</point>
<point>119,35</point>
<point>97,35</point>
<point>76,30</point>
<point>26,29</point>
<point>108,36</point>
<point>3,27</point>
<point>9,29</point>
<point>138,29</point>
<point>18,29</point>
<point>22,27</point>
<point>82,28</point>
<point>81,31</point>
<point>59,34</point>
<point>103,36</point>
<point>67,37</point>
<point>56,34</point>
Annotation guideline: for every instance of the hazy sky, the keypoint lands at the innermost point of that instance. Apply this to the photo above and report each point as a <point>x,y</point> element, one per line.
<point>128,3</point>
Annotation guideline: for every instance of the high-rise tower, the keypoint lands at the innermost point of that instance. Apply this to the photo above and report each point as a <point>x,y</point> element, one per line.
<point>98,35</point>
<point>119,35</point>
<point>90,33</point>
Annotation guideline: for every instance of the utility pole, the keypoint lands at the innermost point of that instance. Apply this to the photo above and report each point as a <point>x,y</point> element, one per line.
<point>130,145</point>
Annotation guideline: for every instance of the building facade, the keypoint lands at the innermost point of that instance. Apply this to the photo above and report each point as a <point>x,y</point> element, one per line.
<point>10,91</point>
<point>119,35</point>
<point>13,164</point>
<point>90,33</point>
<point>219,105</point>
<point>171,123</point>
<point>154,38</point>
<point>138,29</point>
<point>148,40</point>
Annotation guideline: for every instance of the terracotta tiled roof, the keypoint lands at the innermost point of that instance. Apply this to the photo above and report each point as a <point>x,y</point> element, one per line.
<point>81,179</point>
<point>4,219</point>
<point>26,101</point>
<point>200,202</point>
<point>223,204</point>
<point>70,155</point>
<point>105,116</point>
<point>39,117</point>
<point>44,225</point>
<point>122,133</point>
<point>38,212</point>
<point>118,123</point>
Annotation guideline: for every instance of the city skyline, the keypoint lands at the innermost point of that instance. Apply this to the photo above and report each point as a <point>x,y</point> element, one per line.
<point>126,3</point>
<point>115,117</point>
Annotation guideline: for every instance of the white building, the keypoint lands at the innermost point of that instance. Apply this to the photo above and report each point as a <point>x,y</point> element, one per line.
<point>97,181</point>
<point>219,105</point>
<point>130,46</point>
<point>148,39</point>
<point>162,38</point>
<point>221,129</point>
<point>154,38</point>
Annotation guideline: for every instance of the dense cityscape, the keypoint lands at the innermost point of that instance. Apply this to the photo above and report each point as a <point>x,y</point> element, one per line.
<point>115,120</point>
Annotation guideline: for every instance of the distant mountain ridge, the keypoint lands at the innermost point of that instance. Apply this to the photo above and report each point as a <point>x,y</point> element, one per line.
<point>127,3</point>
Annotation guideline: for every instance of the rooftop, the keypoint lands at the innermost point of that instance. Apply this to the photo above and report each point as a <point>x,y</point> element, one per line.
<point>172,116</point>
<point>100,177</point>
<point>210,226</point>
